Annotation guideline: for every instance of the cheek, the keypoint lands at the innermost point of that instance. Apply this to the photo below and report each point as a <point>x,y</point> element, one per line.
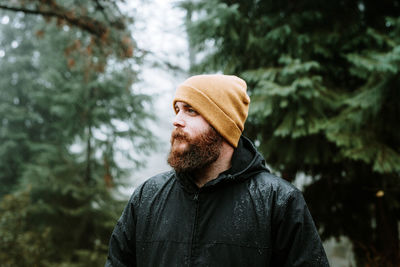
<point>195,132</point>
<point>202,126</point>
<point>196,126</point>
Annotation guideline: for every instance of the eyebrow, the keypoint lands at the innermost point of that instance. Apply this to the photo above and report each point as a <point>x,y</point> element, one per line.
<point>184,105</point>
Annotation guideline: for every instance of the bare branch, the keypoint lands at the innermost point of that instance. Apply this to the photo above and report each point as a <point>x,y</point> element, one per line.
<point>84,22</point>
<point>101,8</point>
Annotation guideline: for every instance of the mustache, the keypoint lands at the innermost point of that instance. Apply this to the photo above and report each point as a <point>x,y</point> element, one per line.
<point>178,134</point>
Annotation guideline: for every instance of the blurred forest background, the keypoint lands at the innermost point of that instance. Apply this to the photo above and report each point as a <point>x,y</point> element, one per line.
<point>323,77</point>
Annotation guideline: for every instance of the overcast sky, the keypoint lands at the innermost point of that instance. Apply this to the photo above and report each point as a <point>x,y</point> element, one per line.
<point>159,29</point>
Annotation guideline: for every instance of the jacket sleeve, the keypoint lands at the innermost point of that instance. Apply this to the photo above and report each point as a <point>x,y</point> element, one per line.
<point>122,246</point>
<point>296,241</point>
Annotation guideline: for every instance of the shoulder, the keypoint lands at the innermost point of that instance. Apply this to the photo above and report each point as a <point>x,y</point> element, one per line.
<point>274,187</point>
<point>153,185</point>
<point>281,197</point>
<point>158,181</point>
<point>267,180</point>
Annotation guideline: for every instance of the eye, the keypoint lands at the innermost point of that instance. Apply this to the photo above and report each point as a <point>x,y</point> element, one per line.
<point>191,111</point>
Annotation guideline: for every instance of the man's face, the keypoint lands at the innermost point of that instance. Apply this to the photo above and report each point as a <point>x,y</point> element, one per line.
<point>194,143</point>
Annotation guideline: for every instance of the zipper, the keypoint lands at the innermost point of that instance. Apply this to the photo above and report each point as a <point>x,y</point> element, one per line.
<point>196,199</point>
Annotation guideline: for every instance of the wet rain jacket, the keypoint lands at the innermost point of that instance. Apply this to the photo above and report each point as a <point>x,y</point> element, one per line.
<point>245,217</point>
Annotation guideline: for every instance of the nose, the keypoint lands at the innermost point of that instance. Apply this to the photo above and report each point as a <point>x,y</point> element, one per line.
<point>178,120</point>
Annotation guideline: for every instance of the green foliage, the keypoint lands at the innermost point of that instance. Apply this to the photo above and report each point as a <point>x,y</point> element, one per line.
<point>20,246</point>
<point>68,115</point>
<point>323,81</point>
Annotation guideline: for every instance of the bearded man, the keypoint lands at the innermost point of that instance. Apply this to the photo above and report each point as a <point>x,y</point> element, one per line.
<point>219,205</point>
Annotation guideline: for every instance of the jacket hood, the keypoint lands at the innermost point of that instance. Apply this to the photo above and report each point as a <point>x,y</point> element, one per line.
<point>246,161</point>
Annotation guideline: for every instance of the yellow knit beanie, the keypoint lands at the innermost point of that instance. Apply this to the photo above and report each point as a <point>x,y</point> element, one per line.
<point>220,99</point>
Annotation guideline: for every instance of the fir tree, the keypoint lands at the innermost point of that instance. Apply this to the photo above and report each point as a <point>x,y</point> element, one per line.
<point>66,103</point>
<point>323,79</point>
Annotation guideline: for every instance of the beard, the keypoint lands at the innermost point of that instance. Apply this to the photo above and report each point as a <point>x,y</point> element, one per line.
<point>199,152</point>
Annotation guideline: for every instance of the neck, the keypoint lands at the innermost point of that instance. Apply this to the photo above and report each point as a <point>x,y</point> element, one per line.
<point>222,164</point>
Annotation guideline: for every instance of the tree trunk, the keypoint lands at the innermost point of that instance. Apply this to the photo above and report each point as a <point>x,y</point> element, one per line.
<point>387,234</point>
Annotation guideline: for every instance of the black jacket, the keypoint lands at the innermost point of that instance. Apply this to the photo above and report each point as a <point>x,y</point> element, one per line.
<point>245,217</point>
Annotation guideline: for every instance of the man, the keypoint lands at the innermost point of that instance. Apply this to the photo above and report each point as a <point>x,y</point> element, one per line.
<point>219,206</point>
